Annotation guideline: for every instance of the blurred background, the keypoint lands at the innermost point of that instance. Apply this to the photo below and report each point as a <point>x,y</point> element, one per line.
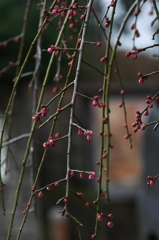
<point>133,204</point>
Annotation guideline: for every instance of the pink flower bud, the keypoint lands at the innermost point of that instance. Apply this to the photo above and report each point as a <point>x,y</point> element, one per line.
<point>51,141</point>
<point>82,17</point>
<point>110,224</point>
<point>70,63</point>
<point>98,44</point>
<point>80,132</point>
<point>90,177</point>
<point>40,194</point>
<point>87,204</point>
<point>49,50</point>
<point>56,184</point>
<point>54,12</point>
<point>103,59</point>
<point>65,200</point>
<point>72,174</point>
<point>146,113</point>
<point>141,81</point>
<point>104,120</point>
<point>134,56</point>
<point>126,136</point>
<point>57,53</point>
<point>128,54</point>
<point>143,127</point>
<point>93,236</point>
<point>94,103</point>
<point>16,39</point>
<point>120,105</point>
<point>89,138</point>
<point>80,194</point>
<point>101,105</point>
<point>11,63</point>
<point>45,144</point>
<point>49,187</point>
<point>35,117</point>
<point>81,175</point>
<point>110,215</point>
<point>133,125</point>
<point>99,217</point>
<point>150,105</point>
<point>55,89</point>
<point>140,74</point>
<point>57,135</point>
<point>150,177</point>
<point>112,4</point>
<point>152,183</point>
<point>98,180</point>
<point>90,132</point>
<point>132,26</point>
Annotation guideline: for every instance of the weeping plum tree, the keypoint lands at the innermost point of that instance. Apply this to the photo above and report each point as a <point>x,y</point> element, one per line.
<point>68,41</point>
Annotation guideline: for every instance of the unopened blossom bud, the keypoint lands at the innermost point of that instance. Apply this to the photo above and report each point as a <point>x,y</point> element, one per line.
<point>45,144</point>
<point>72,174</point>
<point>110,224</point>
<point>90,177</point>
<point>49,50</point>
<point>99,217</point>
<point>49,187</point>
<point>143,127</point>
<point>55,89</point>
<point>80,132</point>
<point>120,105</point>
<point>81,175</point>
<point>35,117</point>
<point>40,194</point>
<point>57,135</point>
<point>98,44</point>
<point>104,120</point>
<point>110,215</point>
<point>150,105</point>
<point>94,103</point>
<point>134,56</point>
<point>152,183</point>
<point>65,200</point>
<point>112,4</point>
<point>88,137</point>
<point>98,180</point>
<point>87,204</point>
<point>128,54</point>
<point>80,194</point>
<point>141,81</point>
<point>56,184</point>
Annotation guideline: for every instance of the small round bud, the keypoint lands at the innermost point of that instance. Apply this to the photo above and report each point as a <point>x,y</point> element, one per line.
<point>40,194</point>
<point>87,204</point>
<point>65,200</point>
<point>110,224</point>
<point>56,184</point>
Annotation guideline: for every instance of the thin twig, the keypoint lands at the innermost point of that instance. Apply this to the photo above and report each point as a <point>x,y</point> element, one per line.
<point>74,98</point>
<point>90,65</point>
<point>13,140</point>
